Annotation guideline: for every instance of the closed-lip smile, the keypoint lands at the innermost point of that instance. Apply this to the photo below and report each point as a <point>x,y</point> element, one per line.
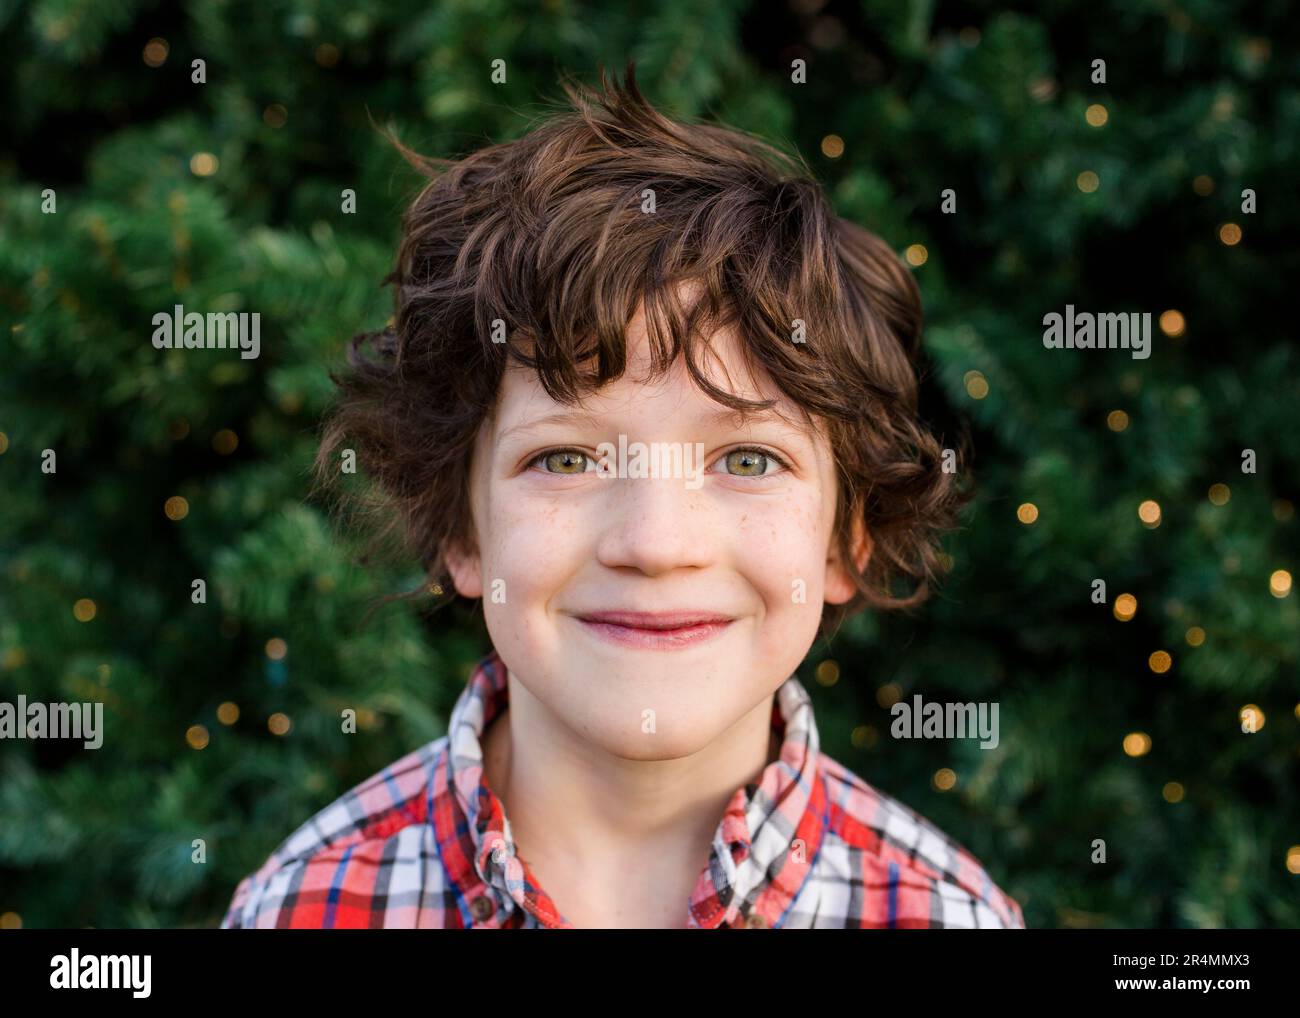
<point>655,630</point>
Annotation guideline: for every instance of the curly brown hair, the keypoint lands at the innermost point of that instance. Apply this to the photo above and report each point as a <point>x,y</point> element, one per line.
<point>546,233</point>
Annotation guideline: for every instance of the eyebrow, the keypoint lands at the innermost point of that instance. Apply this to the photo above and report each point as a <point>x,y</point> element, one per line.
<point>726,415</point>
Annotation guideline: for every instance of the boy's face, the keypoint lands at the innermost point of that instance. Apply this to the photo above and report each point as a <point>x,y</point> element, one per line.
<point>733,537</point>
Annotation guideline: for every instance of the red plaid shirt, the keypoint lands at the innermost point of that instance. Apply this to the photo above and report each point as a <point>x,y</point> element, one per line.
<point>426,843</point>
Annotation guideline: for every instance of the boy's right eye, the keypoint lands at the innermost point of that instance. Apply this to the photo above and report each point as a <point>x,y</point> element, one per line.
<point>564,461</point>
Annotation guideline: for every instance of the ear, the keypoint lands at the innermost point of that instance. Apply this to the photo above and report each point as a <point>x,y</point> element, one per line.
<point>839,586</point>
<point>466,572</point>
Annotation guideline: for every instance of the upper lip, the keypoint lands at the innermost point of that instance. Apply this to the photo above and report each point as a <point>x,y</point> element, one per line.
<point>654,620</point>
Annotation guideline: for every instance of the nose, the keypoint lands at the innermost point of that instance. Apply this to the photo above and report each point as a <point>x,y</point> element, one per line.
<point>656,525</point>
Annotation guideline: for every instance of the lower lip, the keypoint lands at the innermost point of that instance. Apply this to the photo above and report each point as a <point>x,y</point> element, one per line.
<point>656,639</point>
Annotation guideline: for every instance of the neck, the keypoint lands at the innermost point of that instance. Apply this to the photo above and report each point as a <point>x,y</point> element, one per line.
<point>574,807</point>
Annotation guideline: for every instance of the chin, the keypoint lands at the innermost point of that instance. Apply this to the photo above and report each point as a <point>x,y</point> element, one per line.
<point>683,726</point>
<point>657,746</point>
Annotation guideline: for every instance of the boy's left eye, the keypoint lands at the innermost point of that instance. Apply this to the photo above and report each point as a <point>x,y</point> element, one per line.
<point>752,462</point>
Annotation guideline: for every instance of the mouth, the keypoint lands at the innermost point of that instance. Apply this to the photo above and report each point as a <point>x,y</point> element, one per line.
<point>655,630</point>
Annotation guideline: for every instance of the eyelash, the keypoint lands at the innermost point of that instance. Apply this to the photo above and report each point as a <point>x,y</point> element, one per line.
<point>780,460</point>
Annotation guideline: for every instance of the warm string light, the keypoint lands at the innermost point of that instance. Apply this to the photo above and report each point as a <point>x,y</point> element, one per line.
<point>1042,89</point>
<point>224,442</point>
<point>864,736</point>
<point>1172,323</point>
<point>155,52</point>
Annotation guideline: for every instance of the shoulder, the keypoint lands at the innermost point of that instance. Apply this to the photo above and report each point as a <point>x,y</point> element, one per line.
<point>912,873</point>
<point>348,864</point>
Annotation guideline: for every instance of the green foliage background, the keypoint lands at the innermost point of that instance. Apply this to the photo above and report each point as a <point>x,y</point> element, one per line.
<point>926,96</point>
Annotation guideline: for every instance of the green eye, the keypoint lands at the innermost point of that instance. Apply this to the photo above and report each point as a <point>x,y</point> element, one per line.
<point>565,461</point>
<point>746,463</point>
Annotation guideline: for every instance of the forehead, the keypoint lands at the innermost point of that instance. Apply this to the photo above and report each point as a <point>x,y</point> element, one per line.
<point>671,395</point>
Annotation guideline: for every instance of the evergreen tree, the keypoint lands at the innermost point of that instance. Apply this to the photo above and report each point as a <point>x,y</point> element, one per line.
<point>1015,174</point>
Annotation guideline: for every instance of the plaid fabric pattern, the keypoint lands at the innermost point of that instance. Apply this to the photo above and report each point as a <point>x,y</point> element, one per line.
<point>426,843</point>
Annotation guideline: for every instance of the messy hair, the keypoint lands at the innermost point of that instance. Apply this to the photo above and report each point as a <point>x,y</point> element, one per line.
<point>547,234</point>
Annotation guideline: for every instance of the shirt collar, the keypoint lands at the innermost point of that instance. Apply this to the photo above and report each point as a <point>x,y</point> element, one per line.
<point>762,849</point>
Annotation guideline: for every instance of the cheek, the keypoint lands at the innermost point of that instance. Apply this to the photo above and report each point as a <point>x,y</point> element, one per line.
<point>532,543</point>
<point>782,550</point>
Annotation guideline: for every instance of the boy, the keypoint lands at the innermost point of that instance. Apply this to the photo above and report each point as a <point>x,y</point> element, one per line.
<point>655,405</point>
